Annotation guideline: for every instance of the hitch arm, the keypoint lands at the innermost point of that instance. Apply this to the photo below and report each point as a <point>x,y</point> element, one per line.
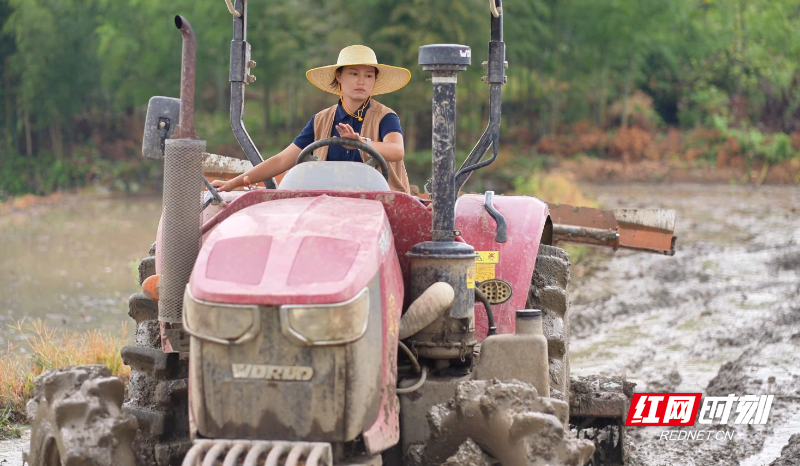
<point>648,230</point>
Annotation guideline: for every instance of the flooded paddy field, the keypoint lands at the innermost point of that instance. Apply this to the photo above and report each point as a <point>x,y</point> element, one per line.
<point>73,262</point>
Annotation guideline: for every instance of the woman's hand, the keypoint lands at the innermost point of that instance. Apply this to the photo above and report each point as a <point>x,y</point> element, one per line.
<point>221,186</point>
<point>346,131</point>
<point>230,185</point>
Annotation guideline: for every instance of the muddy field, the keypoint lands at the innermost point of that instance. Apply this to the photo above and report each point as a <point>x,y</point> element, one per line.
<point>722,316</point>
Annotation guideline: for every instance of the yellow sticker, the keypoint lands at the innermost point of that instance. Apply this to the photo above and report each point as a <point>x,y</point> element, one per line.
<point>484,272</point>
<point>487,257</point>
<point>471,277</point>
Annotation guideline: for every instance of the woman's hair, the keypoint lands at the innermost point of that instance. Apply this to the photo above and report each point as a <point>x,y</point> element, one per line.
<point>338,72</point>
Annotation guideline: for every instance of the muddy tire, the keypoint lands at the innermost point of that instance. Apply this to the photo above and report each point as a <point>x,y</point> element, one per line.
<point>158,391</point>
<point>508,420</point>
<point>77,419</point>
<point>548,292</point>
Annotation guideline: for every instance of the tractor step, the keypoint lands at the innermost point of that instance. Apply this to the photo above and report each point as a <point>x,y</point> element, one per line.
<point>251,453</point>
<point>151,360</point>
<point>141,308</point>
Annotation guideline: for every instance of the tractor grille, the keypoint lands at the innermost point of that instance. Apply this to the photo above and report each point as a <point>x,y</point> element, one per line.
<point>252,453</point>
<point>496,291</point>
<point>181,222</point>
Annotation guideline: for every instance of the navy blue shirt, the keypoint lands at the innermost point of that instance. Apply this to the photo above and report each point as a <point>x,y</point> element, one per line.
<point>389,124</point>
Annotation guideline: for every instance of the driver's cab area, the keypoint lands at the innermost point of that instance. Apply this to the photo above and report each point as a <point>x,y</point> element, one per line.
<point>333,176</point>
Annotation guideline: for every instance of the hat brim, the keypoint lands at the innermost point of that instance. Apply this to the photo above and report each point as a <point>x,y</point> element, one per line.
<point>390,78</point>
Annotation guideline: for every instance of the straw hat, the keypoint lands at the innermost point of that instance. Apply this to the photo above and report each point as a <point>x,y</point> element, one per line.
<point>390,78</point>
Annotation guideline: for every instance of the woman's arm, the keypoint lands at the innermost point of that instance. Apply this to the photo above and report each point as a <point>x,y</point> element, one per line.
<point>265,170</point>
<point>391,148</point>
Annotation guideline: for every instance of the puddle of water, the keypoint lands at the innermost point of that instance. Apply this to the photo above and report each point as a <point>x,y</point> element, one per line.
<point>11,449</point>
<point>74,264</point>
<point>774,443</point>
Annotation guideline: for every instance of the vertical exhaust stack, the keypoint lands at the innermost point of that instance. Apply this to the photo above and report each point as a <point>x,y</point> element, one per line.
<point>450,338</point>
<point>183,190</point>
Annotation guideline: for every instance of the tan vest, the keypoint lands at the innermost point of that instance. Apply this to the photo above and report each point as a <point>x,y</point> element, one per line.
<point>323,126</point>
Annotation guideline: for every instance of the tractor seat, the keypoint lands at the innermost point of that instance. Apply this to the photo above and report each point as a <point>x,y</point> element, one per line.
<point>334,176</point>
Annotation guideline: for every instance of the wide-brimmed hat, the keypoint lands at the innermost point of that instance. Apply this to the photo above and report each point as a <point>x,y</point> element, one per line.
<point>390,78</point>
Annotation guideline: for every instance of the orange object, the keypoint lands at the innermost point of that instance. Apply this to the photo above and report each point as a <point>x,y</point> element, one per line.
<point>150,286</point>
<point>650,230</point>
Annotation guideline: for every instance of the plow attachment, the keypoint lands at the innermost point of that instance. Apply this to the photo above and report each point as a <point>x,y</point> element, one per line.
<point>254,452</point>
<point>649,230</point>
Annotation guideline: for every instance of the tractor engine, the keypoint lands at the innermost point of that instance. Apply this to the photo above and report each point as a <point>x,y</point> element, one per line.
<point>291,308</point>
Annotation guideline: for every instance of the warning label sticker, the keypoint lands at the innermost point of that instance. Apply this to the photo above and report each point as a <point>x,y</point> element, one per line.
<point>484,272</point>
<point>487,257</point>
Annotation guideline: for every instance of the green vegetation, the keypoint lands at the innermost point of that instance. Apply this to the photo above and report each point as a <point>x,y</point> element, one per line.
<point>604,79</point>
<point>46,349</point>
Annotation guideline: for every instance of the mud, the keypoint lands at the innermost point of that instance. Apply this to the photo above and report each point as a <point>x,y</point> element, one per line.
<point>469,453</point>
<point>722,316</point>
<point>790,455</point>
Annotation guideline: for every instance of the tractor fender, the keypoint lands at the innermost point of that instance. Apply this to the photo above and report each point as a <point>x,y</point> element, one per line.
<point>511,261</point>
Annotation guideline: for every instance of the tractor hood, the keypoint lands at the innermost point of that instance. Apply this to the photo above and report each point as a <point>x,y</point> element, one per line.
<point>314,250</point>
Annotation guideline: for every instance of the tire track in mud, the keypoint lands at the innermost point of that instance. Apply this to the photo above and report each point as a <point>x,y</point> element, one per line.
<point>721,316</point>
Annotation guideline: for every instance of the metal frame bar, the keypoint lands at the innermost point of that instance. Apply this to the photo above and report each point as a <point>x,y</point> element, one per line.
<point>239,78</point>
<point>496,78</point>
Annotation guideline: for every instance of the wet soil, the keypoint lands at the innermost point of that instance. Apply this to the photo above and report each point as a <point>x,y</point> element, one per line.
<point>722,316</point>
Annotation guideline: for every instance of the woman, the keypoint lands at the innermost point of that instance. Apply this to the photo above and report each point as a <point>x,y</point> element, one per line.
<point>355,78</point>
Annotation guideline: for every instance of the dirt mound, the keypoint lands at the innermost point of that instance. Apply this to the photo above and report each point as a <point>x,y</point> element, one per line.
<point>790,455</point>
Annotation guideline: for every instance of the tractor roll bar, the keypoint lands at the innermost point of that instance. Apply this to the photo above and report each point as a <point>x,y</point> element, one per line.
<point>496,78</point>
<point>239,77</point>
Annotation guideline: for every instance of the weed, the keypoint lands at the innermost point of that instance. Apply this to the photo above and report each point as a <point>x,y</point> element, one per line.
<point>553,187</point>
<point>8,428</point>
<point>46,349</point>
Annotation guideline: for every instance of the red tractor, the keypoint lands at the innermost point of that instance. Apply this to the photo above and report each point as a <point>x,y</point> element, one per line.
<point>333,321</point>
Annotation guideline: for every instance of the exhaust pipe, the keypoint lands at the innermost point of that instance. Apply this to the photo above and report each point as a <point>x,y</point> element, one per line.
<point>183,193</point>
<point>185,128</point>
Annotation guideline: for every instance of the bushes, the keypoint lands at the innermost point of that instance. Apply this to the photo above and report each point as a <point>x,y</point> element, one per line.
<point>755,145</point>
<point>720,145</point>
<point>44,173</point>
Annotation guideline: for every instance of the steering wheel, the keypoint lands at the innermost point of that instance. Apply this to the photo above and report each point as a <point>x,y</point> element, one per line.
<point>303,157</point>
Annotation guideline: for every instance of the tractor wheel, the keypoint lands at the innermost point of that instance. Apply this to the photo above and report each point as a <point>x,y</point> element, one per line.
<point>77,419</point>
<point>548,292</point>
<point>509,421</point>
<point>158,392</point>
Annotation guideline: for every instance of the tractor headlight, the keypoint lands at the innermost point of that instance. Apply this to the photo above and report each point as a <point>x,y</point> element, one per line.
<point>327,324</point>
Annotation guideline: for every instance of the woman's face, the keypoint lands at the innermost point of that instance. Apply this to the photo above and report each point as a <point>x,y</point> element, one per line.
<point>357,81</point>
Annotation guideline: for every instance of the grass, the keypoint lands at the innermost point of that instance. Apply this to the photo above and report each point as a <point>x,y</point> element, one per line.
<point>554,187</point>
<point>558,188</point>
<point>44,349</point>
